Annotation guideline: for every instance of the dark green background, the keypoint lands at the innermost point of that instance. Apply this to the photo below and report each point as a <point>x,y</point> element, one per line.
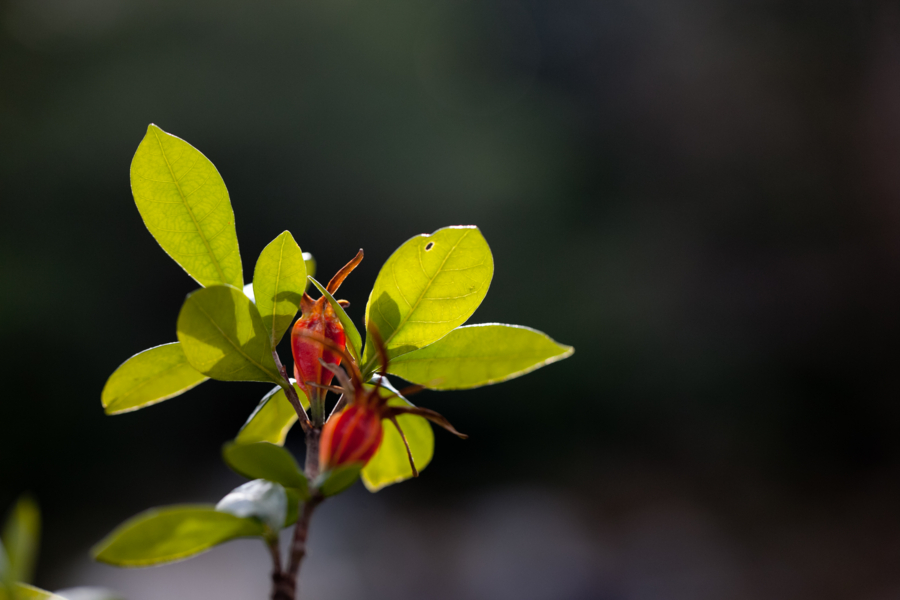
<point>702,197</point>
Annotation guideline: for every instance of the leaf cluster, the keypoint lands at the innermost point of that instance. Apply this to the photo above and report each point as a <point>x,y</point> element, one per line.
<point>425,292</point>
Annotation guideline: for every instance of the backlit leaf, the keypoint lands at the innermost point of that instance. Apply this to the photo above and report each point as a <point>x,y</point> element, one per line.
<point>23,591</point>
<point>223,336</point>
<point>427,288</point>
<point>185,205</point>
<point>149,377</point>
<point>21,538</point>
<point>391,464</point>
<point>273,418</point>
<point>163,535</point>
<point>477,355</point>
<point>310,261</point>
<point>279,281</point>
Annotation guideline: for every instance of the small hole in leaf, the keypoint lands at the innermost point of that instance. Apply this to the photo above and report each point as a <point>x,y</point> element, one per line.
<point>429,246</point>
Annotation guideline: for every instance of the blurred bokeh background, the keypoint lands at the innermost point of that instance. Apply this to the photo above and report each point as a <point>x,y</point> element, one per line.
<point>702,197</point>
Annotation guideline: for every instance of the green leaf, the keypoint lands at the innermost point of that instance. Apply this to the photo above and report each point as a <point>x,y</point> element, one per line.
<point>279,281</point>
<point>163,535</point>
<point>310,261</point>
<point>477,355</point>
<point>185,205</point>
<point>353,337</point>
<point>273,418</point>
<point>263,460</point>
<point>427,288</point>
<point>390,464</point>
<point>5,575</point>
<point>149,377</point>
<point>258,499</point>
<point>21,536</point>
<point>293,506</point>
<point>337,480</point>
<point>23,591</point>
<point>223,336</point>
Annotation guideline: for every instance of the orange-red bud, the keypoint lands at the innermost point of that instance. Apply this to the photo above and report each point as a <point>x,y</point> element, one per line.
<point>351,436</point>
<point>321,321</point>
<point>318,319</point>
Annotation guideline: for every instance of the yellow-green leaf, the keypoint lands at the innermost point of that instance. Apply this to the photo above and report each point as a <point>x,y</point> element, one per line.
<point>149,377</point>
<point>23,591</point>
<point>279,281</point>
<point>273,418</point>
<point>477,355</point>
<point>427,288</point>
<point>310,261</point>
<point>391,464</point>
<point>353,338</point>
<point>163,535</point>
<point>21,537</point>
<point>185,205</point>
<point>223,336</point>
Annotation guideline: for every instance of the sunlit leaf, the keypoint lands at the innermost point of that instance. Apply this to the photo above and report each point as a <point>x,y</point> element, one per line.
<point>427,288</point>
<point>185,205</point>
<point>391,464</point>
<point>5,575</point>
<point>263,460</point>
<point>163,535</point>
<point>337,480</point>
<point>279,281</point>
<point>273,418</point>
<point>310,261</point>
<point>354,340</point>
<point>21,537</point>
<point>149,377</point>
<point>23,591</point>
<point>260,499</point>
<point>223,336</point>
<point>477,355</point>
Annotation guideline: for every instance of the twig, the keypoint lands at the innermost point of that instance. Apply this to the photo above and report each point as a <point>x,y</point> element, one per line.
<point>301,531</point>
<point>283,587</point>
<point>291,394</point>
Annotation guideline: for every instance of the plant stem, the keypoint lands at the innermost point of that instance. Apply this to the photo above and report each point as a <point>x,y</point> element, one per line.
<point>312,454</point>
<point>291,393</point>
<point>284,582</point>
<point>301,531</point>
<point>283,588</point>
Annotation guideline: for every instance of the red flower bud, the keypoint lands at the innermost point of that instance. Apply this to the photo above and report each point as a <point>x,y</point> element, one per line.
<point>321,321</point>
<point>318,319</point>
<point>352,436</point>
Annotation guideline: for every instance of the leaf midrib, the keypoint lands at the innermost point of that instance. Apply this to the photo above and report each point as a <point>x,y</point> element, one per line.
<point>413,308</point>
<point>190,211</point>
<point>148,381</point>
<point>497,357</point>
<point>277,282</point>
<point>235,346</point>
